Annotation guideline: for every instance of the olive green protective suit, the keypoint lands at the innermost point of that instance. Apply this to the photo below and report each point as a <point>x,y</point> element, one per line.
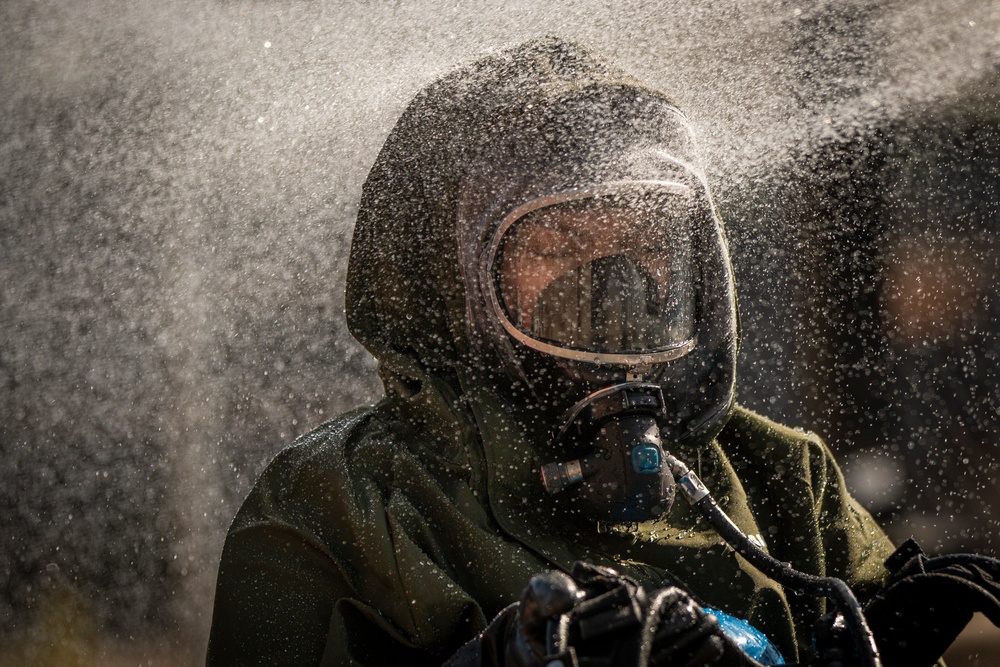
<point>391,535</point>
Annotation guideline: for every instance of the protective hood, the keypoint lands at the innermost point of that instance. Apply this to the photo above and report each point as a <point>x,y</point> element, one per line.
<point>543,122</point>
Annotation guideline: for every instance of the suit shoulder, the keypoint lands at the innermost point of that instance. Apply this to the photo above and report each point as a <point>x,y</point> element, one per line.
<point>352,450</point>
<point>756,437</point>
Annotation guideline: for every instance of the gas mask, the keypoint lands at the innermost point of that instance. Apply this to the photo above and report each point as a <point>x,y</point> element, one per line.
<point>608,297</point>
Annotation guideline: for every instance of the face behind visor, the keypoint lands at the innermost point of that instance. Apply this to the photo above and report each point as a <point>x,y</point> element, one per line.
<point>598,278</point>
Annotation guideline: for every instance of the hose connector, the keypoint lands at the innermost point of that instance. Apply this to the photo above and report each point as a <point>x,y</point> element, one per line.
<point>691,486</point>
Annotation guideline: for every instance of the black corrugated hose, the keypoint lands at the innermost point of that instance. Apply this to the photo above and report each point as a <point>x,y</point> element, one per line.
<point>830,587</point>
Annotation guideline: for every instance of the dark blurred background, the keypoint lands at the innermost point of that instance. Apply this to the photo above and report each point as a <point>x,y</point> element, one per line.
<point>178,183</point>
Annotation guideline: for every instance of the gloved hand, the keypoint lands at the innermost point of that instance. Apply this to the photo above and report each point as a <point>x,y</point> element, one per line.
<point>544,604</point>
<point>598,618</point>
<point>924,605</point>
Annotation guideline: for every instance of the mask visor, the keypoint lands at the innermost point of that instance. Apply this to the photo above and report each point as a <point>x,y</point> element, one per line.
<point>603,275</point>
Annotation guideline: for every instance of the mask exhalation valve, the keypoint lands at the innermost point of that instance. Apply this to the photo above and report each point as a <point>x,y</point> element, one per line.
<point>621,475</point>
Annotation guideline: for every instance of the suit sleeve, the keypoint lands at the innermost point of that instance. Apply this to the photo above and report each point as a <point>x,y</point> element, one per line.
<point>321,567</point>
<point>274,600</point>
<point>855,547</point>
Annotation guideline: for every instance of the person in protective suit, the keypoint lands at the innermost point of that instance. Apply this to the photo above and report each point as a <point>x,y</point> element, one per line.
<point>541,274</point>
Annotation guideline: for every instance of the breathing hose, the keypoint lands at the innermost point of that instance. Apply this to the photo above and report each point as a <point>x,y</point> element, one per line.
<point>830,587</point>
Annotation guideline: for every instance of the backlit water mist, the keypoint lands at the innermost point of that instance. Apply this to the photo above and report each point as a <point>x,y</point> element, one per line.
<point>178,182</point>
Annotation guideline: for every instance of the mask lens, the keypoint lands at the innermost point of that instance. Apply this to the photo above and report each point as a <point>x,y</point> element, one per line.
<point>602,274</point>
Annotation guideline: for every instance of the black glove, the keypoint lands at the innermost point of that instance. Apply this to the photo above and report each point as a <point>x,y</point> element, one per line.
<point>618,623</point>
<point>598,618</point>
<point>542,608</point>
<point>924,605</point>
